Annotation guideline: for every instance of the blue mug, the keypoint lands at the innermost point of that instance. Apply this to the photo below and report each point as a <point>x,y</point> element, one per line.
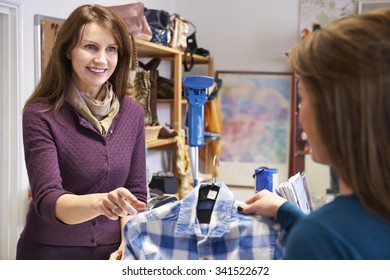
<point>266,178</point>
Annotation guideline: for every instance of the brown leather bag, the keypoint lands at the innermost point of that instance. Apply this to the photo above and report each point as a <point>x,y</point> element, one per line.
<point>135,20</point>
<point>165,88</point>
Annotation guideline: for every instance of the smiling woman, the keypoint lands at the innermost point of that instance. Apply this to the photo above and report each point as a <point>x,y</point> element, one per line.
<point>84,143</point>
<point>94,59</point>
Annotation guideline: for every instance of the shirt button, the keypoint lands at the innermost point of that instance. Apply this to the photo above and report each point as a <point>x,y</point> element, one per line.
<point>94,223</point>
<point>111,131</point>
<point>93,240</point>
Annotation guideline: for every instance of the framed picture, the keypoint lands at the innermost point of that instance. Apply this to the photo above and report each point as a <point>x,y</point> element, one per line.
<point>256,109</point>
<point>366,6</point>
<point>323,13</point>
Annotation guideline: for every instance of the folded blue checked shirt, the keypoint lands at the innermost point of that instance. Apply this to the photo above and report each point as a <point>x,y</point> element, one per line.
<point>173,232</point>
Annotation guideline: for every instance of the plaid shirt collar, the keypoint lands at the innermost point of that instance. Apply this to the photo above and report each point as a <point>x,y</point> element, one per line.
<point>188,223</point>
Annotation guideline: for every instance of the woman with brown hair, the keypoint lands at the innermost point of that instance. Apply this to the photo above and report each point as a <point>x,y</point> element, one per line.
<point>84,143</point>
<point>344,89</point>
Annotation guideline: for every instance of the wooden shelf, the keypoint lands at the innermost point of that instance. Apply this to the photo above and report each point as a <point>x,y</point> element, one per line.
<point>160,142</point>
<point>147,49</point>
<point>198,59</point>
<point>183,100</point>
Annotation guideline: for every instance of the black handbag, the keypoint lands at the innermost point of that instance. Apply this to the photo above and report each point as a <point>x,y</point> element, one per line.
<point>192,48</point>
<point>159,21</point>
<point>192,45</point>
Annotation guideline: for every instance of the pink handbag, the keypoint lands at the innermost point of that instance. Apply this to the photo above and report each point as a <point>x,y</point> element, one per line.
<point>135,20</point>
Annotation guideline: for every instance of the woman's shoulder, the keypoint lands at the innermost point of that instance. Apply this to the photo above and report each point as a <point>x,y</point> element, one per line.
<point>37,106</point>
<point>338,216</point>
<point>37,109</point>
<point>45,110</point>
<point>337,230</point>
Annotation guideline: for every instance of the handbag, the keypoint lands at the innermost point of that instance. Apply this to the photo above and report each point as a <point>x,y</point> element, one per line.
<point>134,18</point>
<point>158,21</point>
<point>188,43</point>
<point>179,28</point>
<point>152,66</point>
<point>181,40</point>
<point>139,84</point>
<point>165,88</point>
<point>192,45</point>
<point>191,48</point>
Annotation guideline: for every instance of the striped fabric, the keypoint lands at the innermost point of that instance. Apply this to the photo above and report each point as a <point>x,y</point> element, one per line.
<point>173,231</point>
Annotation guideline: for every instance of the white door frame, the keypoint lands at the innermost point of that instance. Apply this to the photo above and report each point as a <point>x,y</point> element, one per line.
<point>10,133</point>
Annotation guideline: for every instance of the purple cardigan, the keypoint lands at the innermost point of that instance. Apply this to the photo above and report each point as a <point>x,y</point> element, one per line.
<point>65,154</point>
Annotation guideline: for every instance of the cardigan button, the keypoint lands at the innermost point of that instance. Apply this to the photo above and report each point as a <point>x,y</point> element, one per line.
<point>93,240</point>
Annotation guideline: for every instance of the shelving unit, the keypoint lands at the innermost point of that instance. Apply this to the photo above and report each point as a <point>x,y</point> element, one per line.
<point>147,49</point>
<point>150,50</point>
<point>177,57</point>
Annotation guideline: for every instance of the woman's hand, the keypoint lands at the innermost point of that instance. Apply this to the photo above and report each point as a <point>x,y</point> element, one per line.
<point>263,203</point>
<point>74,209</point>
<point>118,254</point>
<point>120,203</point>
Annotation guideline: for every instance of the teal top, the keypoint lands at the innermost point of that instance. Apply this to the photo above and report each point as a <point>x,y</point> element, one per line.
<point>341,229</point>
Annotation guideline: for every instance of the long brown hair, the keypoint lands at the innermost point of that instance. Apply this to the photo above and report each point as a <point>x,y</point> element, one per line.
<point>58,73</point>
<point>347,68</point>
